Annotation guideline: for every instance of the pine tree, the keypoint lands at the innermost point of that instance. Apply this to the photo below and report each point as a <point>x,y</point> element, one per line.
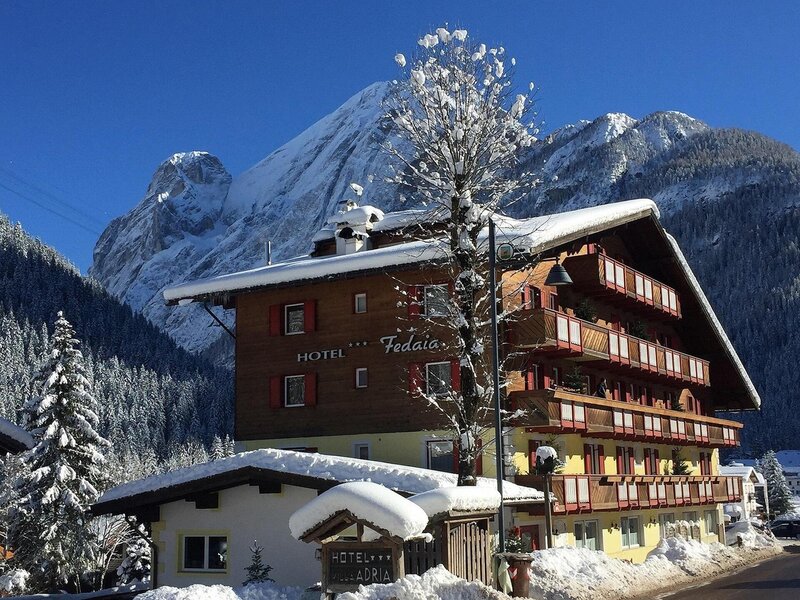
<point>780,496</point>
<point>49,526</point>
<point>257,571</point>
<point>679,464</point>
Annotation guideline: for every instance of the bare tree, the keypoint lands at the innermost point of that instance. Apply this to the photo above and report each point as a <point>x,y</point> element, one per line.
<point>462,126</point>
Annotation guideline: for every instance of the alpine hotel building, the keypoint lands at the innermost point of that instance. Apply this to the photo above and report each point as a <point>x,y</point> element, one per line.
<point>622,371</point>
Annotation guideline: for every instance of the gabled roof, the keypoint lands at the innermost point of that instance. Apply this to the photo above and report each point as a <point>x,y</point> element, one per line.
<point>303,469</point>
<point>739,470</point>
<point>13,438</point>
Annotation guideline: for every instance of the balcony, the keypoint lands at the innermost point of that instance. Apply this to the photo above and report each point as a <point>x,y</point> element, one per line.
<point>588,493</point>
<point>560,411</point>
<point>546,330</point>
<point>600,275</point>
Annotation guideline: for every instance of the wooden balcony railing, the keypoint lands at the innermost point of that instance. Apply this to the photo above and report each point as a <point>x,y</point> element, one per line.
<point>588,493</point>
<point>560,411</point>
<point>600,274</point>
<point>549,330</point>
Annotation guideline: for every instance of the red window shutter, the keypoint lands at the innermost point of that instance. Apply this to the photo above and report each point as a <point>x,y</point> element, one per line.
<point>275,319</point>
<point>413,300</point>
<point>631,461</point>
<point>414,378</point>
<point>601,458</point>
<point>311,389</point>
<point>587,458</point>
<point>532,446</point>
<point>309,316</point>
<point>647,470</point>
<point>530,381</point>
<point>628,392</point>
<point>455,375</point>
<point>658,463</point>
<point>479,457</point>
<point>525,300</point>
<point>620,463</point>
<point>275,392</point>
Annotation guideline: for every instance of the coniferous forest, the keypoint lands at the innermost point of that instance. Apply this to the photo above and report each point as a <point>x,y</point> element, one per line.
<point>156,401</point>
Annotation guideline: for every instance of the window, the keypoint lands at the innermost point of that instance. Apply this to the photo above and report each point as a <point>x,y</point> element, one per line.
<point>710,518</point>
<point>440,456</point>
<point>361,377</point>
<point>593,458</point>
<point>630,531</point>
<point>294,319</point>
<point>438,378</point>
<point>205,553</point>
<point>437,300</point>
<point>625,460</point>
<point>586,535</point>
<point>552,302</point>
<point>360,303</point>
<point>651,461</point>
<point>555,379</point>
<point>534,377</point>
<point>361,450</point>
<point>294,390</point>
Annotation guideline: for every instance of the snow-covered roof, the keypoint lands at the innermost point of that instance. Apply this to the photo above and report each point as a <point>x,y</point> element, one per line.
<point>303,468</point>
<point>457,499</point>
<point>738,470</point>
<point>367,501</point>
<point>13,437</point>
<point>532,235</point>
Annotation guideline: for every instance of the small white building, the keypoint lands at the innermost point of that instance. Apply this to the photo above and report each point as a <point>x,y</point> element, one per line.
<point>748,506</point>
<point>203,519</point>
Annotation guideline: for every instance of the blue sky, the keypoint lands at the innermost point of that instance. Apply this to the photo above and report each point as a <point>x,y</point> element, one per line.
<point>94,95</point>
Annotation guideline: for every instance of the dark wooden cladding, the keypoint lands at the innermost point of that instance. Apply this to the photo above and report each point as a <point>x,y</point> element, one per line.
<point>341,408</point>
<point>561,411</point>
<point>616,282</point>
<point>589,493</point>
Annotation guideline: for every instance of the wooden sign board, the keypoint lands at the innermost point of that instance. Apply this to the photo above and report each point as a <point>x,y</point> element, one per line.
<point>347,565</point>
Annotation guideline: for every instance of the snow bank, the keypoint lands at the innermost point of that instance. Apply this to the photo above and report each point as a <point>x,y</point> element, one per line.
<point>410,480</point>
<point>464,498</point>
<point>581,574</point>
<point>368,501</point>
<point>256,591</point>
<point>435,583</point>
<point>751,537</point>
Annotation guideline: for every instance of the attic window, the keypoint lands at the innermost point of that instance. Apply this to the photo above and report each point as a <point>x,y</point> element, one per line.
<point>347,233</point>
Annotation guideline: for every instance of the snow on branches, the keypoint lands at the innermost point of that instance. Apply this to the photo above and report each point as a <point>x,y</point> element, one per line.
<point>49,524</point>
<point>458,108</point>
<point>462,128</point>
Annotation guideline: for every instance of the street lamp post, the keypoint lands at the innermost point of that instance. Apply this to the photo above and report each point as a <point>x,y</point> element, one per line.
<point>498,417</point>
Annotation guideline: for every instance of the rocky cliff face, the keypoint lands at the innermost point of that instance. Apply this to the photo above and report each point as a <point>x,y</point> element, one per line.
<point>730,196</point>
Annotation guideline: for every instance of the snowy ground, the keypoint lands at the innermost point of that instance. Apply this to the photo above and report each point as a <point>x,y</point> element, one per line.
<point>557,574</point>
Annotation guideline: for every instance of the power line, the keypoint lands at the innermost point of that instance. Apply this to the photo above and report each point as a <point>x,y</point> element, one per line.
<point>49,209</point>
<point>59,201</point>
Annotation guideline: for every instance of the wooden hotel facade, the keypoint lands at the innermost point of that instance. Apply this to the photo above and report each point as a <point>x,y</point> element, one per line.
<point>622,371</point>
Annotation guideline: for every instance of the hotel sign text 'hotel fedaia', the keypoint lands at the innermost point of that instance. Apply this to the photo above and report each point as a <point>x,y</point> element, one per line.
<point>391,344</point>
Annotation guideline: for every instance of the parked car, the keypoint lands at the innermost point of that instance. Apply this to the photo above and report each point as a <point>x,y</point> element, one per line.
<point>786,529</point>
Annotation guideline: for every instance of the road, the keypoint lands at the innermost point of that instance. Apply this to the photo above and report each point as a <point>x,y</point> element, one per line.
<point>774,579</point>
